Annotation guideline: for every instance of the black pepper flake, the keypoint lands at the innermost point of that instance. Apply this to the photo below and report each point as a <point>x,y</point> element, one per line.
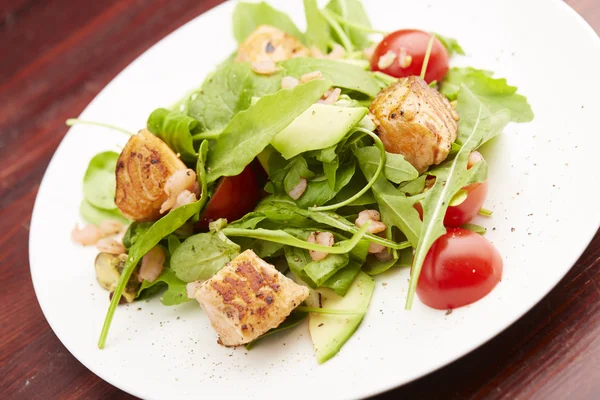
<point>449,311</point>
<point>393,115</point>
<point>269,48</point>
<point>320,325</point>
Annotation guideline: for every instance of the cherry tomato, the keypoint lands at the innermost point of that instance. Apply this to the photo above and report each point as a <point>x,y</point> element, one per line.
<point>467,210</point>
<point>460,268</point>
<point>234,197</point>
<point>412,43</point>
<point>464,212</point>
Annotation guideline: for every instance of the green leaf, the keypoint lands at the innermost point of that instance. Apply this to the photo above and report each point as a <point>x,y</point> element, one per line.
<point>475,115</point>
<point>99,181</point>
<point>394,206</point>
<point>319,192</point>
<point>353,11</point>
<point>317,30</point>
<point>135,231</point>
<point>297,258</point>
<point>450,44</point>
<point>397,169</point>
<point>228,91</point>
<point>296,170</point>
<point>160,229</point>
<point>291,321</point>
<point>96,216</point>
<point>201,176</point>
<point>202,255</point>
<point>340,281</point>
<point>261,248</point>
<point>475,228</point>
<point>283,237</point>
<point>249,221</point>
<point>341,74</point>
<point>176,291</point>
<point>451,177</point>
<point>284,210</point>
<point>494,93</point>
<point>249,16</point>
<point>320,271</point>
<point>173,243</point>
<point>251,130</point>
<point>415,186</point>
<point>175,129</point>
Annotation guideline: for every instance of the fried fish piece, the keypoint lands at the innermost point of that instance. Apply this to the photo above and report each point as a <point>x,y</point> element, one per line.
<point>143,168</point>
<point>270,43</point>
<point>416,121</point>
<point>247,298</point>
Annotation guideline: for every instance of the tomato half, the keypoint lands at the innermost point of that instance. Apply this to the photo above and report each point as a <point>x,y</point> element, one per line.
<point>412,43</point>
<point>234,197</point>
<point>460,268</point>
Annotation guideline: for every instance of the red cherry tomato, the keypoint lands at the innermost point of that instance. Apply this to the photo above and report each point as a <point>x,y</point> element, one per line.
<point>460,268</point>
<point>234,197</point>
<point>413,43</point>
<point>467,210</point>
<point>464,212</point>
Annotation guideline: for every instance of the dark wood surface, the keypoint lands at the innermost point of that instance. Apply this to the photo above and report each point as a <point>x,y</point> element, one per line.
<point>55,56</point>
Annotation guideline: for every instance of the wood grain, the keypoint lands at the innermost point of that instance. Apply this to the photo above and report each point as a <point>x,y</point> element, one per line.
<point>56,55</point>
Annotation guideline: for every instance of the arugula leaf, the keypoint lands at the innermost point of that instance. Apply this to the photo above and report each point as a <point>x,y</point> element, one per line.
<point>297,258</point>
<point>352,11</point>
<point>317,30</point>
<point>251,130</point>
<point>414,187</point>
<point>99,182</point>
<point>175,129</point>
<point>354,186</point>
<point>262,248</point>
<point>249,221</point>
<point>394,206</point>
<point>135,231</point>
<point>319,192</point>
<point>475,115</point>
<point>494,93</point>
<point>176,292</point>
<point>396,169</point>
<point>284,210</point>
<point>450,44</point>
<point>475,228</point>
<point>173,243</point>
<point>201,176</point>
<point>320,271</point>
<point>451,176</point>
<point>202,255</point>
<point>283,237</point>
<point>291,321</point>
<point>341,74</point>
<point>96,216</point>
<point>340,281</point>
<point>249,16</point>
<point>160,229</point>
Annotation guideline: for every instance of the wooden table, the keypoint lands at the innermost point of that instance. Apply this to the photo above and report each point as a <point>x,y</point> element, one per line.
<point>55,56</point>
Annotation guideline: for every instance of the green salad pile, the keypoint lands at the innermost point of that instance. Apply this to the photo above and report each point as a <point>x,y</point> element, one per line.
<point>239,118</point>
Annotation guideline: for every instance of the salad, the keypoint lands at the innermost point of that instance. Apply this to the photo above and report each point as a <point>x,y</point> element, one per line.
<point>306,164</point>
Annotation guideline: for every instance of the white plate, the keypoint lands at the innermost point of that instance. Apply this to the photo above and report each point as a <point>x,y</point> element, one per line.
<point>543,191</point>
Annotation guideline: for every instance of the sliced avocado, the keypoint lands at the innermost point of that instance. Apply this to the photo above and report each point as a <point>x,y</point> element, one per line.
<point>317,128</point>
<point>329,332</point>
